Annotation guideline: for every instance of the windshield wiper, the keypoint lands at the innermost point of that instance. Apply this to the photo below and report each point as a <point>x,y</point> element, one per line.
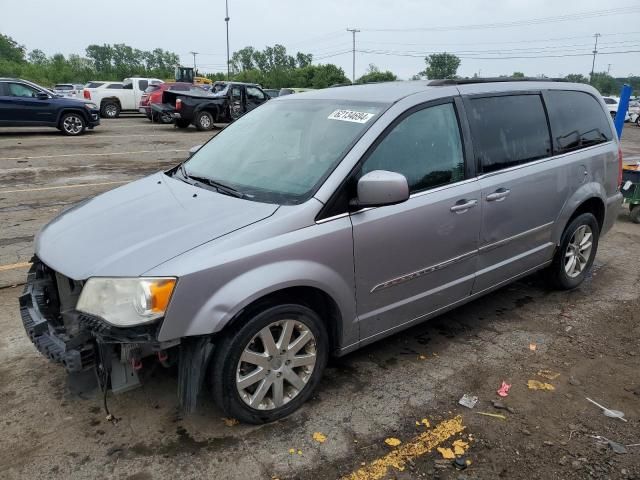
<point>220,187</point>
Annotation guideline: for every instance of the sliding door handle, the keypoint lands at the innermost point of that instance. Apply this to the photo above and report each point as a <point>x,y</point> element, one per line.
<point>499,195</point>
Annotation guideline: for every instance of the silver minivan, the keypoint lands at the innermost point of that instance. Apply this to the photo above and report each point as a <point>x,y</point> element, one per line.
<point>319,223</point>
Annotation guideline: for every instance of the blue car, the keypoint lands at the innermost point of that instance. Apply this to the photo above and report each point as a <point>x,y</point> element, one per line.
<point>25,104</point>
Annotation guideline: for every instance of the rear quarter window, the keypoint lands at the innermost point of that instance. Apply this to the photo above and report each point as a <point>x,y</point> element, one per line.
<point>117,86</point>
<point>508,130</point>
<point>577,120</point>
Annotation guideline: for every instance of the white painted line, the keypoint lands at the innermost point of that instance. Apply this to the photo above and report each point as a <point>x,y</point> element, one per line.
<point>91,154</point>
<point>78,185</point>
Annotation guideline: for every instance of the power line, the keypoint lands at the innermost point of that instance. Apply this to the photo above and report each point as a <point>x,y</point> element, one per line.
<point>354,31</point>
<point>396,54</point>
<point>516,23</point>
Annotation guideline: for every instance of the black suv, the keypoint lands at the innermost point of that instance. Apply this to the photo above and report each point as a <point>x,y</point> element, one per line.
<point>25,104</point>
<point>226,102</point>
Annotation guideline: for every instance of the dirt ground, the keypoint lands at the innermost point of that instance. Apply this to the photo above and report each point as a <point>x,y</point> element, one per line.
<point>589,337</point>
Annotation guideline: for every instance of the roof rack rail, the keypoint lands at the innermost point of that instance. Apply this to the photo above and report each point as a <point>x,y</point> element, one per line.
<point>464,81</point>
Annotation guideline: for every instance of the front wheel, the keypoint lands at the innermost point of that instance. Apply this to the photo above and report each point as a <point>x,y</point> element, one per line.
<point>270,366</point>
<point>634,213</point>
<point>72,124</point>
<point>576,253</point>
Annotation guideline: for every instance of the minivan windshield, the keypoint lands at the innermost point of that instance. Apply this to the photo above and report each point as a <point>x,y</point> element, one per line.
<point>283,150</point>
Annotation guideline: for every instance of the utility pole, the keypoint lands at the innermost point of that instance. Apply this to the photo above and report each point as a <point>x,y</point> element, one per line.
<point>226,19</point>
<point>194,59</point>
<point>595,51</point>
<point>608,68</point>
<point>353,31</point>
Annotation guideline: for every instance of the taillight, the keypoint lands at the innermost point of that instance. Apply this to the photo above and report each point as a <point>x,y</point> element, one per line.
<point>178,104</point>
<point>619,166</point>
<point>87,94</point>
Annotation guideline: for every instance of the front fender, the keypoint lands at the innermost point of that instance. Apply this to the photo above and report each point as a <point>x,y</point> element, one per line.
<point>585,192</point>
<point>244,289</point>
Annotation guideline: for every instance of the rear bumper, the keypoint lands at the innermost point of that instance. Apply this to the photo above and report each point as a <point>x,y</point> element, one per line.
<point>612,210</point>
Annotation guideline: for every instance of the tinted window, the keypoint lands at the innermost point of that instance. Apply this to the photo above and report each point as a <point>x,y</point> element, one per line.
<point>425,147</point>
<point>610,101</point>
<point>577,120</point>
<point>117,86</point>
<point>94,84</point>
<point>63,87</point>
<point>508,130</point>
<point>255,93</point>
<point>21,90</point>
<point>153,88</point>
<point>143,84</point>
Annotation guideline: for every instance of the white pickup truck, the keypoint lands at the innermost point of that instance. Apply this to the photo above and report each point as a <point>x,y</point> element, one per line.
<point>116,97</point>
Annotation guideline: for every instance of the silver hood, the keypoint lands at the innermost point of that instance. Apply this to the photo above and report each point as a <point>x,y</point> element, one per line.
<point>131,229</point>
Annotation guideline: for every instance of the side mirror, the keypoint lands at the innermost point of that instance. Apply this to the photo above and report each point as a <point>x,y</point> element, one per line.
<point>379,188</point>
<point>193,150</point>
<point>42,96</point>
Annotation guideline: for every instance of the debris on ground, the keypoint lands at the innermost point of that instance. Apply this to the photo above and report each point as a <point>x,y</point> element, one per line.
<point>615,446</point>
<point>503,391</point>
<point>494,415</point>
<point>608,412</point>
<point>230,422</point>
<point>501,406</point>
<point>319,437</point>
<point>538,385</point>
<point>446,453</point>
<point>461,463</point>
<point>468,400</point>
<point>548,374</point>
<point>392,442</point>
<point>532,347</point>
<point>460,446</point>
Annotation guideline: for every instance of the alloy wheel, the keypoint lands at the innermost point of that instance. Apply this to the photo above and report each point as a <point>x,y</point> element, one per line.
<point>578,251</point>
<point>110,111</point>
<point>276,364</point>
<point>72,124</point>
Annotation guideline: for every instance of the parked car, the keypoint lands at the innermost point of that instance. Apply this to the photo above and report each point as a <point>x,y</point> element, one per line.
<point>320,223</point>
<point>612,105</point>
<point>70,90</point>
<point>272,92</point>
<point>153,94</point>
<point>634,112</point>
<point>290,91</point>
<point>227,102</point>
<point>116,97</point>
<point>26,104</point>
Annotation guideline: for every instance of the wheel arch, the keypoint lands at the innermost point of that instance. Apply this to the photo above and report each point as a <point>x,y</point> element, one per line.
<point>64,111</point>
<point>110,100</point>
<point>590,198</point>
<point>212,108</point>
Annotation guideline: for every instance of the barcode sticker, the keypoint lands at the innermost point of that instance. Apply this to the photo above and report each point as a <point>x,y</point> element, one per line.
<point>351,116</point>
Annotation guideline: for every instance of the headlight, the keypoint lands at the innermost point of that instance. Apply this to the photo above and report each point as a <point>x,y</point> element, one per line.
<point>125,302</point>
<point>91,106</point>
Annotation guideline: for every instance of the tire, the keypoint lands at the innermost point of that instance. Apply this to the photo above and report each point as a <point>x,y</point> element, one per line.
<point>638,121</point>
<point>182,123</point>
<point>227,366</point>
<point>164,118</point>
<point>72,124</point>
<point>110,110</point>
<point>560,273</point>
<point>203,121</point>
<point>634,213</point>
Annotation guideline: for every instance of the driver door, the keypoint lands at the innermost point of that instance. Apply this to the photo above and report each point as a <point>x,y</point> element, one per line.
<point>255,97</point>
<point>23,105</point>
<point>419,256</point>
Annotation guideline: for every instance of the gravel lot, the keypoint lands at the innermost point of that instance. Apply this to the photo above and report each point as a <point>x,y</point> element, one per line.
<point>589,336</point>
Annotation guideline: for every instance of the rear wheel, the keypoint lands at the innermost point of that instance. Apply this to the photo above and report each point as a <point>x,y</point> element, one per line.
<point>270,366</point>
<point>204,121</point>
<point>182,123</point>
<point>634,213</point>
<point>72,124</point>
<point>576,253</point>
<point>110,110</point>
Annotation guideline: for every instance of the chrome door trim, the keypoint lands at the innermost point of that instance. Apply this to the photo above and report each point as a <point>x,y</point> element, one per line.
<point>504,241</point>
<point>423,271</point>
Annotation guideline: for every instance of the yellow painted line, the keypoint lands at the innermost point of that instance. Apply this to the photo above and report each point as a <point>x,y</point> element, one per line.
<point>4,268</point>
<point>77,185</point>
<point>90,154</point>
<point>418,446</point>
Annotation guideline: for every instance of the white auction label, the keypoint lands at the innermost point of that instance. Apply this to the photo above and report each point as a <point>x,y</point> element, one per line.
<point>351,116</point>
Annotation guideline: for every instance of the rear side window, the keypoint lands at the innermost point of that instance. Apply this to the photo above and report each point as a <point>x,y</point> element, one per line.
<point>143,84</point>
<point>577,120</point>
<point>117,86</point>
<point>609,101</point>
<point>94,84</point>
<point>508,130</point>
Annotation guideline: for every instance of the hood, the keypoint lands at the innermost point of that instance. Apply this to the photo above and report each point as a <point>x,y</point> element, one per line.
<point>131,229</point>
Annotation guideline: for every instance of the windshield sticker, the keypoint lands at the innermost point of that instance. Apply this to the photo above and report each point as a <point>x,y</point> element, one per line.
<point>351,116</point>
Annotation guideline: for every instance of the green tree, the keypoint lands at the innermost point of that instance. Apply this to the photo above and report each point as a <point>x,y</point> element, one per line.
<point>10,51</point>
<point>605,83</point>
<point>37,57</point>
<point>441,65</point>
<point>576,78</point>
<point>517,75</point>
<point>373,74</point>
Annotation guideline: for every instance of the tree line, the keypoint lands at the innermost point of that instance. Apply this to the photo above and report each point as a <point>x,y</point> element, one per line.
<point>271,67</point>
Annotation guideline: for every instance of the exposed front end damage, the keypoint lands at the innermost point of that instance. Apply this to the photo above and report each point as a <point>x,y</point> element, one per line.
<point>83,342</point>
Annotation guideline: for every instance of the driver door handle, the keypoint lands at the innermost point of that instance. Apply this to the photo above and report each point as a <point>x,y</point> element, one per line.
<point>499,195</point>
<point>463,206</point>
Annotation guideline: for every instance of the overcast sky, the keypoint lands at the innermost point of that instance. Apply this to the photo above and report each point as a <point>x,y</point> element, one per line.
<point>319,27</point>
